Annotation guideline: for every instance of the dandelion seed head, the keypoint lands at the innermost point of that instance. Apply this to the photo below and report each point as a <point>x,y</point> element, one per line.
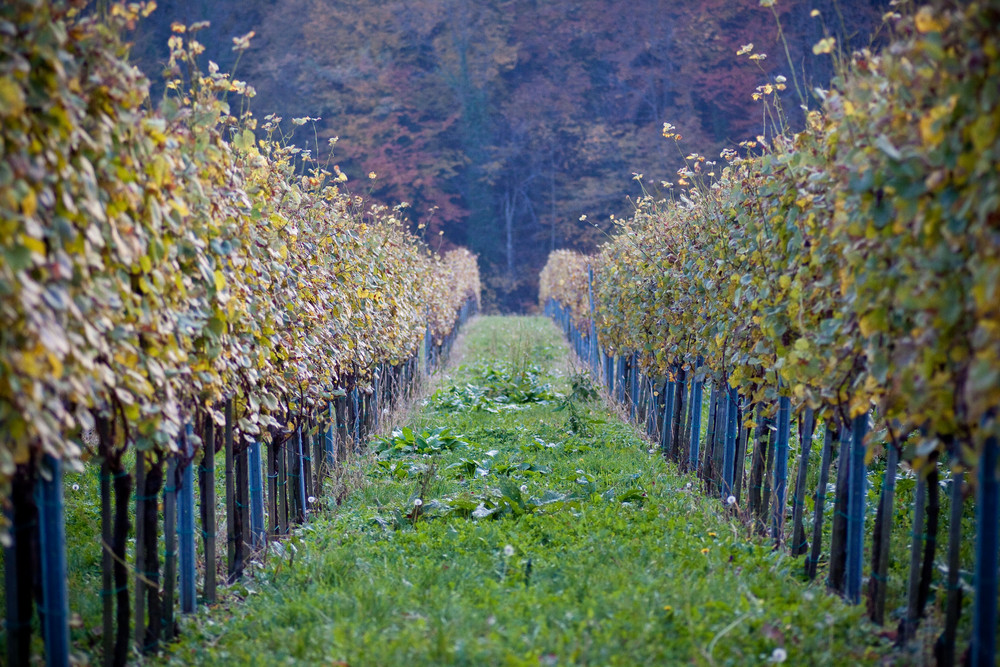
<point>779,655</point>
<point>508,551</point>
<point>731,500</point>
<point>417,502</point>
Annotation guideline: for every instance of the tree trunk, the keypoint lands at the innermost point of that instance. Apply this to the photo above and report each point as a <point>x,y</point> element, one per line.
<point>105,445</point>
<point>140,549</point>
<point>684,446</point>
<point>806,426</point>
<point>231,514</point>
<point>151,555</point>
<point>292,477</point>
<point>756,482</point>
<point>114,516</point>
<point>878,583</point>
<point>678,430</point>
<point>909,624</point>
<point>765,501</point>
<point>741,456</point>
<point>272,483</point>
<point>713,484</point>
<point>242,456</point>
<point>930,538</point>
<point>307,466</point>
<point>838,536</point>
<point>944,649</point>
<point>319,461</point>
<point>19,566</point>
<point>819,500</point>
<point>708,452</point>
<point>343,435</point>
<point>119,542</point>
<point>206,481</point>
<point>170,546</point>
<point>282,485</point>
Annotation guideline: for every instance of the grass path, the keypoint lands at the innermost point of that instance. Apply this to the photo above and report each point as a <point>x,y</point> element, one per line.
<point>543,532</point>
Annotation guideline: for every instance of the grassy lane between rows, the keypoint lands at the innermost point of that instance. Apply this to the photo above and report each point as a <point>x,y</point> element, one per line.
<point>516,521</point>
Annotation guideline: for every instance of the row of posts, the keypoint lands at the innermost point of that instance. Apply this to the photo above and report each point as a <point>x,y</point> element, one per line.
<point>266,493</point>
<point>670,409</point>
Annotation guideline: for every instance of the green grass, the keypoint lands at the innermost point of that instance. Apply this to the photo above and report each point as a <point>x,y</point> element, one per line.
<point>589,548</point>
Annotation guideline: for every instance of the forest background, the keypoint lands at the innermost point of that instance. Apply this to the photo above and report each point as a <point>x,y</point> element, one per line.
<point>504,122</point>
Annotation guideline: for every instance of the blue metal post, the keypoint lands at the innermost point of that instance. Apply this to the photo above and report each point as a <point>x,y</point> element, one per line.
<point>185,527</point>
<point>256,496</point>
<point>697,390</point>
<point>668,411</point>
<point>729,450</point>
<point>302,473</point>
<point>52,552</point>
<point>680,387</point>
<point>984,620</point>
<point>621,377</point>
<point>357,418</point>
<point>856,509</point>
<point>781,468</point>
<point>609,374</point>
<point>593,320</point>
<point>329,437</point>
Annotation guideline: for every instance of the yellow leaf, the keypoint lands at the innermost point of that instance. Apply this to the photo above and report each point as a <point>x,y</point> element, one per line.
<point>34,245</point>
<point>30,203</point>
<point>180,206</point>
<point>927,22</point>
<point>824,45</point>
<point>220,280</point>
<point>867,325</point>
<point>859,405</point>
<point>11,98</point>
<point>57,365</point>
<point>22,453</point>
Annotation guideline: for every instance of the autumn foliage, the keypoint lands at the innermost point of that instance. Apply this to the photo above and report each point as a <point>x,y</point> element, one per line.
<point>853,264</point>
<point>502,121</point>
<point>157,261</point>
<point>565,279</point>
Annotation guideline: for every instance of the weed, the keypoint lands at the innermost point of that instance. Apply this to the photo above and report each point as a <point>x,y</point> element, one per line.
<point>531,543</point>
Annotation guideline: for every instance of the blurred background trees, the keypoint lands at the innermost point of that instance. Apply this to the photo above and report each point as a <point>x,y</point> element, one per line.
<point>502,122</point>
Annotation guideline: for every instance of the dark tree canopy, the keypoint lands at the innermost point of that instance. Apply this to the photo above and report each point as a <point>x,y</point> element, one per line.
<point>503,122</point>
